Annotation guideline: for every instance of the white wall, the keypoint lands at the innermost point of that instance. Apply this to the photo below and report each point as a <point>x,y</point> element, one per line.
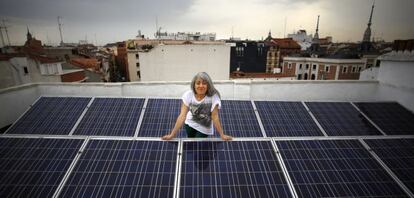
<point>8,75</point>
<point>15,101</point>
<point>182,62</point>
<point>132,65</point>
<point>396,79</point>
<point>20,63</point>
<point>397,73</point>
<point>369,74</point>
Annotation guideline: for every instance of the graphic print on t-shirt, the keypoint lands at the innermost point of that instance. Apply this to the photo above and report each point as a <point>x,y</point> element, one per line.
<point>201,113</point>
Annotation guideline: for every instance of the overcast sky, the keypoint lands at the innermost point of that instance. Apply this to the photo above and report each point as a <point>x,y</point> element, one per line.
<point>104,21</point>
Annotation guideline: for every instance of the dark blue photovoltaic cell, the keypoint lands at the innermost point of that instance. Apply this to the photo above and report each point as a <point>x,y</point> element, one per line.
<point>341,118</point>
<point>238,119</point>
<point>398,155</point>
<point>159,118</point>
<point>231,169</point>
<point>336,168</point>
<point>34,167</point>
<point>111,117</point>
<point>124,168</point>
<point>50,115</point>
<point>391,117</point>
<point>286,119</point>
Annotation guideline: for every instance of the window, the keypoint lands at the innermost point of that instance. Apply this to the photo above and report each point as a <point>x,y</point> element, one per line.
<point>26,71</point>
<point>327,69</point>
<point>137,64</point>
<point>359,69</point>
<point>344,70</point>
<point>289,65</point>
<point>136,56</point>
<point>300,66</point>
<point>307,66</point>
<point>259,51</point>
<point>314,67</point>
<point>299,76</point>
<point>353,69</point>
<point>239,51</point>
<point>378,63</point>
<point>313,77</point>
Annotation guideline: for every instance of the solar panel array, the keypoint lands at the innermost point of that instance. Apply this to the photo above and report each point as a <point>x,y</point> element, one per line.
<point>159,118</point>
<point>304,163</point>
<point>119,168</point>
<point>238,119</point>
<point>231,169</point>
<point>286,119</point>
<point>336,168</point>
<point>340,118</point>
<point>391,117</point>
<point>50,115</point>
<point>111,117</point>
<point>34,167</point>
<point>398,155</point>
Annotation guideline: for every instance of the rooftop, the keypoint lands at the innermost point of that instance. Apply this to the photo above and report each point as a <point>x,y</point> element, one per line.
<point>292,139</point>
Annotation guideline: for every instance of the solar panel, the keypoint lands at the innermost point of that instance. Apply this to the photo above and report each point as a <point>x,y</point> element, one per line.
<point>159,118</point>
<point>391,117</point>
<point>124,168</point>
<point>238,119</point>
<point>50,115</point>
<point>34,167</point>
<point>286,119</point>
<point>231,169</point>
<point>336,168</point>
<point>341,119</point>
<point>398,155</point>
<point>111,117</point>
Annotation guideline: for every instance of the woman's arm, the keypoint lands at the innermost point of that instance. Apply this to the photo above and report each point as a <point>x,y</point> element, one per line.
<point>217,124</point>
<point>178,124</point>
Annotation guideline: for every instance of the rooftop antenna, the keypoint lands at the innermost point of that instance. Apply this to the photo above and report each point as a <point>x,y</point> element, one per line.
<point>156,27</point>
<point>1,35</point>
<point>284,33</point>
<point>232,32</point>
<point>60,30</point>
<point>47,38</point>
<point>7,33</point>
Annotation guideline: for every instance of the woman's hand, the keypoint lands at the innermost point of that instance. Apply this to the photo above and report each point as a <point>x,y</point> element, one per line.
<point>167,137</point>
<point>226,137</point>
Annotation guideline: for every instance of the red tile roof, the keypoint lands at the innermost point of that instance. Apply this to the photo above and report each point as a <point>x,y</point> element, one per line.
<point>85,63</point>
<point>287,43</point>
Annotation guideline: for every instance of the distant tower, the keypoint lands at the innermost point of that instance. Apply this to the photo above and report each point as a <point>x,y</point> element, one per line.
<point>315,41</point>
<point>28,35</point>
<point>366,41</point>
<point>269,36</point>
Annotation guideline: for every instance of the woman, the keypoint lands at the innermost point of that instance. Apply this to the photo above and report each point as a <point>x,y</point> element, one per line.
<point>199,110</point>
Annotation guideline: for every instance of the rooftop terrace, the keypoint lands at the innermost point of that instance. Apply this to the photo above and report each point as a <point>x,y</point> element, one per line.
<point>292,139</point>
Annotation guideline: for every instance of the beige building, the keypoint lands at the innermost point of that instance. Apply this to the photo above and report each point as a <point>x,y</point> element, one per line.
<point>182,62</point>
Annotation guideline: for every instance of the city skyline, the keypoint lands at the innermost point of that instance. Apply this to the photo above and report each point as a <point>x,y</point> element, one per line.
<point>108,21</point>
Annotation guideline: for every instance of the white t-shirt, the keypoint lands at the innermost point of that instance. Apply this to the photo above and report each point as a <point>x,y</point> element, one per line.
<point>199,114</point>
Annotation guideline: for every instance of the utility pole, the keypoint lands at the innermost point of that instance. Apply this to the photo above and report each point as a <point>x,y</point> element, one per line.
<point>60,30</point>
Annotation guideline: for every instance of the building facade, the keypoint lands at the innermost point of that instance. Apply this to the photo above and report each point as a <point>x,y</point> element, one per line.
<point>304,68</point>
<point>182,62</point>
<point>248,56</point>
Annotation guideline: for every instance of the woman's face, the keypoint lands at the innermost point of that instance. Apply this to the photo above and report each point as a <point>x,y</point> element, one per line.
<point>201,86</point>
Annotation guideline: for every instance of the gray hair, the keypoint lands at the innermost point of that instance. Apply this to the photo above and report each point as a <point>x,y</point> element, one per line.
<point>211,90</point>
